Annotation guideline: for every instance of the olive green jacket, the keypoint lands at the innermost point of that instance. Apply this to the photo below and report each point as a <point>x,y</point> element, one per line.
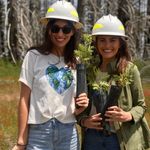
<point>133,135</point>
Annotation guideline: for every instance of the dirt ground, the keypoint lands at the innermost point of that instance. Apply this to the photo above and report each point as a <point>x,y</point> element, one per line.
<point>10,97</point>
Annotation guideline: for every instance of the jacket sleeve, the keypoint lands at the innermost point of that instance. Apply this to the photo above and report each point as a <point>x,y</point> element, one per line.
<point>139,107</point>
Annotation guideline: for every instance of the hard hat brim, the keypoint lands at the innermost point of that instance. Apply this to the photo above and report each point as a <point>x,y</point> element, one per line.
<point>109,34</point>
<point>76,24</point>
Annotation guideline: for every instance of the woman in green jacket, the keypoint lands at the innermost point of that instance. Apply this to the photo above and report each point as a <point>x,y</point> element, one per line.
<point>114,119</point>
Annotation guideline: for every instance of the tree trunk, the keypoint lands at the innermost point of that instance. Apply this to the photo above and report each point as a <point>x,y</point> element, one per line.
<point>6,12</point>
<point>86,15</point>
<point>20,27</point>
<point>1,28</point>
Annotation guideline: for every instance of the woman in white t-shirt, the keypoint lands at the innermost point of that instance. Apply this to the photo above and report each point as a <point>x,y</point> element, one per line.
<point>48,86</point>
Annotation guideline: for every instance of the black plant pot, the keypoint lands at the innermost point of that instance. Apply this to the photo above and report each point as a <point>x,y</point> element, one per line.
<point>81,79</point>
<point>112,100</point>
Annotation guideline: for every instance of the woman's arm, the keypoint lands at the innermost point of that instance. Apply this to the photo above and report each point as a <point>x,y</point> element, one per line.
<point>138,104</point>
<point>23,110</point>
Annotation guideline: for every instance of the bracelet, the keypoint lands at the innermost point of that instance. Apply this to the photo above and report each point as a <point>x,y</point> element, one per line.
<point>21,144</point>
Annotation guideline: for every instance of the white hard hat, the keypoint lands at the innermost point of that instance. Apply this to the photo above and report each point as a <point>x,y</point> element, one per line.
<point>62,10</point>
<point>109,25</point>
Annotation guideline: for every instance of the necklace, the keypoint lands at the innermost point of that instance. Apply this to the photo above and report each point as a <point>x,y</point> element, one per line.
<point>55,60</point>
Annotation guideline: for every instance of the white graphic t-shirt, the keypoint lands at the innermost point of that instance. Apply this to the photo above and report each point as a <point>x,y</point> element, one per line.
<point>53,87</point>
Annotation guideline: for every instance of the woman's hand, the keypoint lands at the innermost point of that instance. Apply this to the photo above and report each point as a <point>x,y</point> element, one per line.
<point>81,102</point>
<point>93,122</point>
<point>115,113</point>
<point>19,147</point>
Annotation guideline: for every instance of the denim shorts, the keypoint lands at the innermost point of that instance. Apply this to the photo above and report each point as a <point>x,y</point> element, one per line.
<point>53,135</point>
<point>97,140</point>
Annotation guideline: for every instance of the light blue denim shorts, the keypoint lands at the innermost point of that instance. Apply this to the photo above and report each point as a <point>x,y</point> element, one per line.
<point>53,135</point>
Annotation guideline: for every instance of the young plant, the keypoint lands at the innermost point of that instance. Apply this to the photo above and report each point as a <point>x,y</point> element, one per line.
<point>84,55</point>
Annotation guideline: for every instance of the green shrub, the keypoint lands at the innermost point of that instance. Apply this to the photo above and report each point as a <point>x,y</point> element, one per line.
<point>145,72</point>
<point>140,63</point>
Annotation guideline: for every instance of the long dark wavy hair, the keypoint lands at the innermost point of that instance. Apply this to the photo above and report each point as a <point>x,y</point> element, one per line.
<point>46,47</point>
<point>123,56</point>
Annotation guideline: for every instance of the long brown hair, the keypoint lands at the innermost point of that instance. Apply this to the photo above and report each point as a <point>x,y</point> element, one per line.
<point>46,47</point>
<point>123,56</point>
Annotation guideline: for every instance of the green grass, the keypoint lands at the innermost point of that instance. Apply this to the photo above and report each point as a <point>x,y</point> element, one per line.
<point>9,93</point>
<point>9,70</point>
<point>146,87</point>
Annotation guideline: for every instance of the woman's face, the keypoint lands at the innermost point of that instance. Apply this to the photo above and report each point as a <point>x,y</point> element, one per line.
<point>108,46</point>
<point>60,33</point>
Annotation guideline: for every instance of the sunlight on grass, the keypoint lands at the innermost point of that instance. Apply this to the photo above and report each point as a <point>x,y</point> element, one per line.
<point>9,95</point>
<point>8,123</point>
<point>146,87</point>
